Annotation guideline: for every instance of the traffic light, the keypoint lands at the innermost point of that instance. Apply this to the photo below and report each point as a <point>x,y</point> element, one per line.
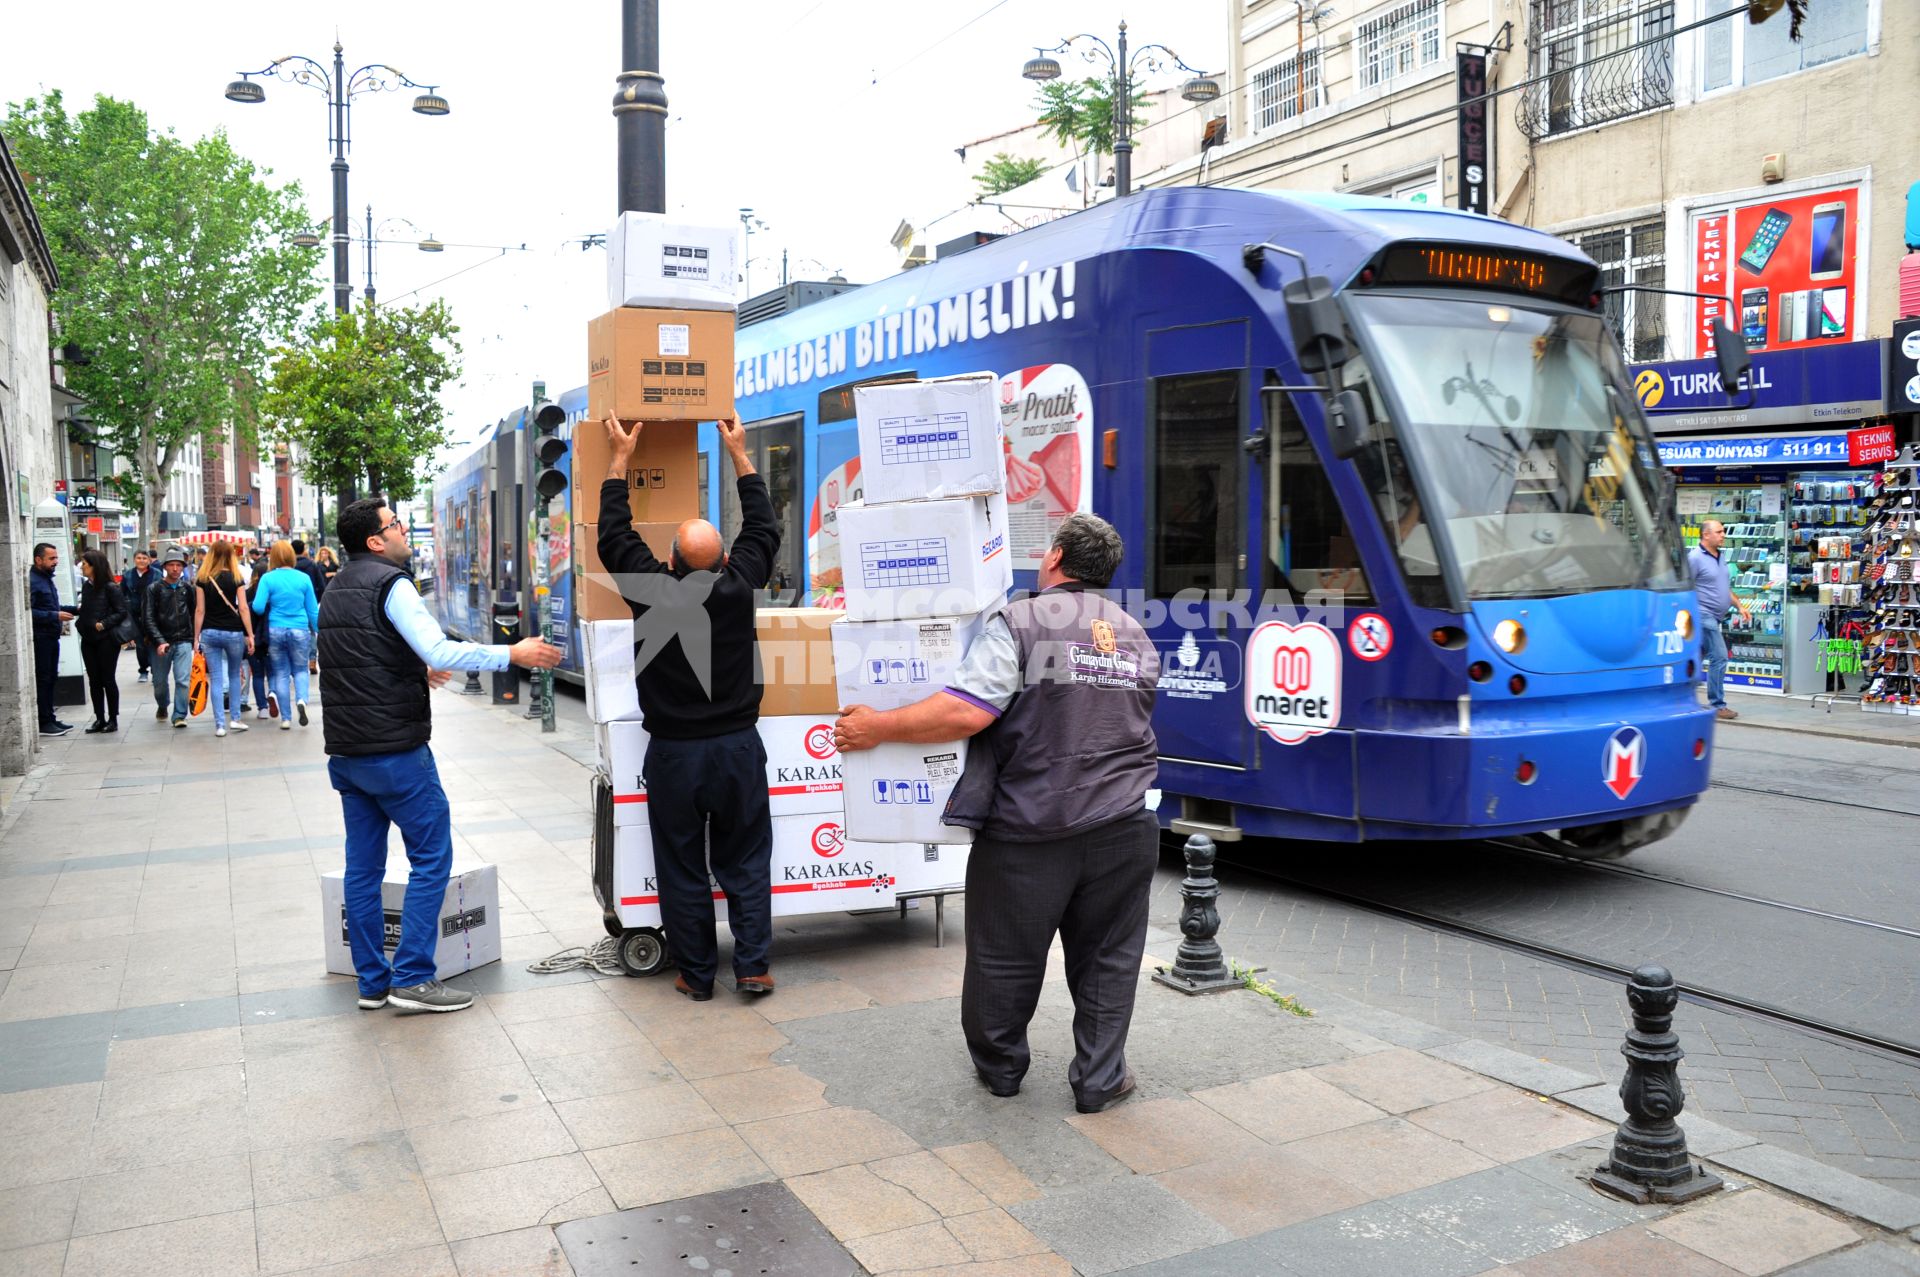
<point>548,451</point>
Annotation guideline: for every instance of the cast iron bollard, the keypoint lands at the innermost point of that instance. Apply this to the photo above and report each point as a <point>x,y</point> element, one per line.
<point>1198,967</point>
<point>472,687</point>
<point>1649,1162</point>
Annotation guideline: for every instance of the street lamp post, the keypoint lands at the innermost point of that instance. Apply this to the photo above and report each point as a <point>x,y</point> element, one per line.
<point>426,244</point>
<point>1121,71</point>
<point>752,224</point>
<point>340,89</point>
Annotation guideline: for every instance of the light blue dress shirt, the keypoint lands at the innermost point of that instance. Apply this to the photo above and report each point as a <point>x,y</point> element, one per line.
<point>429,642</point>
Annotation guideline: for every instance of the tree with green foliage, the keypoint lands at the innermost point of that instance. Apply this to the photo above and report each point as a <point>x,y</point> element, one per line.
<point>360,393</point>
<point>1003,173</point>
<point>1079,113</point>
<point>177,273</point>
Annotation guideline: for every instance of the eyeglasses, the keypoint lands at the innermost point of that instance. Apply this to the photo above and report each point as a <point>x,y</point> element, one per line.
<point>397,523</point>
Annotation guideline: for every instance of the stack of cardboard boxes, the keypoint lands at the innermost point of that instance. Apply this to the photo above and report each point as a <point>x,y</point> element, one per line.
<point>926,562</point>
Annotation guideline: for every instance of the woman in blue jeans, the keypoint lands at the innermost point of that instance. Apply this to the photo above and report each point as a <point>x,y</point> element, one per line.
<point>223,631</point>
<point>284,595</point>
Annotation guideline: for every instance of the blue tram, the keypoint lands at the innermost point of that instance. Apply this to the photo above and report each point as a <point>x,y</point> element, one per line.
<point>1392,512</point>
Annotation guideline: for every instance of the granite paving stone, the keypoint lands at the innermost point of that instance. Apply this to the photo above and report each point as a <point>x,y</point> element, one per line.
<point>1505,1214</point>
<point>987,1169</point>
<point>330,1168</point>
<point>993,1235</point>
<point>761,1093</point>
<point>524,1252</point>
<point>1507,1125</point>
<point>677,1166</point>
<point>919,1247</point>
<point>207,1246</point>
<point>1755,1231</point>
<point>39,1213</point>
<point>1622,1252</point>
<point>365,1224</point>
<point>672,1108</point>
<point>932,1181</point>
<point>500,1199</point>
<point>1288,1106</point>
<point>577,1077</point>
<point>801,1143</point>
<point>1151,1136</point>
<point>159,1194</point>
<point>518,1135</point>
<point>1256,1193</point>
<point>419,1261</point>
<point>1402,1080</point>
<point>1108,1227</point>
<point>853,1202</point>
<point>1388,1156</point>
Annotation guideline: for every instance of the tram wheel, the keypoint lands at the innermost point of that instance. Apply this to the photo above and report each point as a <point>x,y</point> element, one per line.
<point>643,952</point>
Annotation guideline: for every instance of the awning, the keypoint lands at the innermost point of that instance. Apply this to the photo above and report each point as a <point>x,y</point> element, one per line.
<point>216,535</point>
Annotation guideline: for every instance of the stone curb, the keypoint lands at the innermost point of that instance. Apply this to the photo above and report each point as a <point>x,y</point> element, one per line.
<point>1838,1190</point>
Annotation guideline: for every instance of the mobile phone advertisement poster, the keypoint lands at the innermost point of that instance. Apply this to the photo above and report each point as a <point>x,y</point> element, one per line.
<point>1786,267</point>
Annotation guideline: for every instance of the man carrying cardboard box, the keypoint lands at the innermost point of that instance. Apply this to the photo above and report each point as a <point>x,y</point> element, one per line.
<point>705,766</point>
<point>1059,688</point>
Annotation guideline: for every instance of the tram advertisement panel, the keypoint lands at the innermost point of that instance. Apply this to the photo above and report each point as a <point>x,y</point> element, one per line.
<point>1787,268</point>
<point>840,462</point>
<point>1047,416</point>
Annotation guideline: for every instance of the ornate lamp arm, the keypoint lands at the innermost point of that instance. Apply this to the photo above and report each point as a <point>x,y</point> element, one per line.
<point>1067,46</point>
<point>296,69</point>
<point>378,77</point>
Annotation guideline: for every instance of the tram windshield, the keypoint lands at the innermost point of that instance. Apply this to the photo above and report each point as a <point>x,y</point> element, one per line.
<point>1538,471</point>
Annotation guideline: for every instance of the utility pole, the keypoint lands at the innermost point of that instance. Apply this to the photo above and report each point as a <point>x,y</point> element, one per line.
<point>640,110</point>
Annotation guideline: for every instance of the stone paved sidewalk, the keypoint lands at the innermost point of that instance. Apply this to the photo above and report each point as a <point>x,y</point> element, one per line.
<point>185,1091</point>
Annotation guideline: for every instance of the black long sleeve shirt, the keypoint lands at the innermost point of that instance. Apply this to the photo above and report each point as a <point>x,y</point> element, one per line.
<point>710,613</point>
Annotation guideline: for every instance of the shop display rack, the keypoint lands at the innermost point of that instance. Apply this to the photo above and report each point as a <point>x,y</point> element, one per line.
<point>1892,589</point>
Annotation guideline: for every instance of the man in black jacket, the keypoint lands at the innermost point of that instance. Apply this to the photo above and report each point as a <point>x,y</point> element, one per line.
<point>166,622</point>
<point>705,768</point>
<point>50,621</point>
<point>312,569</point>
<point>136,583</point>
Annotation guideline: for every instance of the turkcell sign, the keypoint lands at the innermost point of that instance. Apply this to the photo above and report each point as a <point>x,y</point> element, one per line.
<point>1842,382</point>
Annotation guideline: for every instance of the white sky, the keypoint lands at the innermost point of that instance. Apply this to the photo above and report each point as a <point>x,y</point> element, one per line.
<point>833,120</point>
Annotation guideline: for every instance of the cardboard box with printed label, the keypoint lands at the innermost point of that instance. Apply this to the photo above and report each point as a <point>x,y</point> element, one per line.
<point>467,929</point>
<point>897,792</point>
<point>663,475</point>
<point>926,440</point>
<point>796,661</point>
<point>816,869</point>
<point>597,595</point>
<point>929,867</point>
<point>660,365</point>
<point>654,262</point>
<point>608,650</point>
<point>924,558</point>
<point>888,664</point>
<point>803,767</point>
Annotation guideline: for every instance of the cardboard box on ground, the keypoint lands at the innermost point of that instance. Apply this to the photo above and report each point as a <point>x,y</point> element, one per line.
<point>660,365</point>
<point>659,263</point>
<point>467,927</point>
<point>794,649</point>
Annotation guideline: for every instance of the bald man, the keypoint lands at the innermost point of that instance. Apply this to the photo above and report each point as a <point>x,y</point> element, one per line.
<point>705,768</point>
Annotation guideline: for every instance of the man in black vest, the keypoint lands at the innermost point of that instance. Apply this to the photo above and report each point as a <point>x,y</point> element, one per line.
<point>380,652</point>
<point>1059,690</point>
<point>706,768</point>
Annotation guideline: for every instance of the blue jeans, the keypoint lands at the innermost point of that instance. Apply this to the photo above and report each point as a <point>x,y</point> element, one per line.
<point>401,789</point>
<point>257,663</point>
<point>291,651</point>
<point>1713,650</point>
<point>226,672</point>
<point>171,675</point>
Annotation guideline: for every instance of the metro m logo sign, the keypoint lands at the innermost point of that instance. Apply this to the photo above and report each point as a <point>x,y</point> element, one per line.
<point>1293,681</point>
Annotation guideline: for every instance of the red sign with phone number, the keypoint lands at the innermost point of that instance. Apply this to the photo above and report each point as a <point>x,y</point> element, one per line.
<point>1871,446</point>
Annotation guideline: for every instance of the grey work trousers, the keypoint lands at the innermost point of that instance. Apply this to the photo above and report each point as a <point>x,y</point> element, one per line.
<point>1091,888</point>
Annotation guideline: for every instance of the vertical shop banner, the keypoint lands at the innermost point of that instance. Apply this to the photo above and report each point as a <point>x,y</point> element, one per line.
<point>1709,276</point>
<point>1476,168</point>
<point>1789,269</point>
<point>1046,413</point>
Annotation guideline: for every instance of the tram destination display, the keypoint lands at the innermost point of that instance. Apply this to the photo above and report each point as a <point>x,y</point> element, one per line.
<point>1457,265</point>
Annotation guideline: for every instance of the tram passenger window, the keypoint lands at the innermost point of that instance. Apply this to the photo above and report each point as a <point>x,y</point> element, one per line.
<point>1194,512</point>
<point>1383,467</point>
<point>706,484</point>
<point>1309,547</point>
<point>774,448</point>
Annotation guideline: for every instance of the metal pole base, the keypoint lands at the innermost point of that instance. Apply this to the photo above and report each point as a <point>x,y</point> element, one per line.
<point>473,687</point>
<point>1173,979</point>
<point>1701,1182</point>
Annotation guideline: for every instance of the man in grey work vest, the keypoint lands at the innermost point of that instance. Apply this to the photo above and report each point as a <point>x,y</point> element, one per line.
<point>1059,689</point>
<point>1713,588</point>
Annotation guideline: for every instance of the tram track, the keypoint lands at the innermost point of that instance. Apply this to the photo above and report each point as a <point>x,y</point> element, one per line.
<point>1812,798</point>
<point>1879,1044</point>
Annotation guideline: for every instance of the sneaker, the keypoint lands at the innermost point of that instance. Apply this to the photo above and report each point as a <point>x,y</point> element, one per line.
<point>302,707</point>
<point>273,705</point>
<point>237,725</point>
<point>55,729</point>
<point>244,707</point>
<point>179,722</point>
<point>143,676</point>
<point>430,995</point>
<point>161,712</point>
<point>375,1002</point>
<point>260,713</point>
<point>285,725</point>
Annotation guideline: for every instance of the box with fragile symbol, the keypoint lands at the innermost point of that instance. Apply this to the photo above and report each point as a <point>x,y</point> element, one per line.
<point>660,365</point>
<point>663,474</point>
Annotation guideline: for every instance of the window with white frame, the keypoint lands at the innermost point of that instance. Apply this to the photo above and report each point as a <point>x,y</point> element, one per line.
<point>1596,61</point>
<point>1285,89</point>
<point>1396,44</point>
<point>1631,253</point>
<point>1736,53</point>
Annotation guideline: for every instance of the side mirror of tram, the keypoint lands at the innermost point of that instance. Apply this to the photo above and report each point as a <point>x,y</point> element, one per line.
<point>1319,330</point>
<point>1347,424</point>
<point>1730,352</point>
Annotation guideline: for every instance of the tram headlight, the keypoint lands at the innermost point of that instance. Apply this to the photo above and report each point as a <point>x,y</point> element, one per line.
<point>1683,622</point>
<point>1510,636</point>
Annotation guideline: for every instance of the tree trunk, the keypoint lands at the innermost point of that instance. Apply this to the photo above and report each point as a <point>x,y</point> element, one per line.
<point>373,481</point>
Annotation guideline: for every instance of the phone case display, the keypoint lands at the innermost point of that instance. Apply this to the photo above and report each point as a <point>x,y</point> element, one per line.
<point>1893,589</point>
<point>1757,561</point>
<point>1827,518</point>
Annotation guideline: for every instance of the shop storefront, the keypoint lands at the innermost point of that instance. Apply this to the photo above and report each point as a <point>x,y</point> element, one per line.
<point>1781,465</point>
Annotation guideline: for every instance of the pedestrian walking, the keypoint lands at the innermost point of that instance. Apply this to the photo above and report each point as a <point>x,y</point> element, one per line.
<point>308,566</point>
<point>328,566</point>
<point>223,632</point>
<point>705,766</point>
<point>1058,690</point>
<point>259,661</point>
<point>196,563</point>
<point>1713,588</point>
<point>167,620</point>
<point>284,596</point>
<point>106,626</point>
<point>50,621</point>
<point>136,583</point>
<point>380,653</point>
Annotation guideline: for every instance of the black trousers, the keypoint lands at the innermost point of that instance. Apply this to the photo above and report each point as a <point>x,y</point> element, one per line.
<point>46,669</point>
<point>707,806</point>
<point>1091,888</point>
<point>101,653</point>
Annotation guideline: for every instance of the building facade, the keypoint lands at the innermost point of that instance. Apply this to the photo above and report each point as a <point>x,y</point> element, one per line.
<point>32,455</point>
